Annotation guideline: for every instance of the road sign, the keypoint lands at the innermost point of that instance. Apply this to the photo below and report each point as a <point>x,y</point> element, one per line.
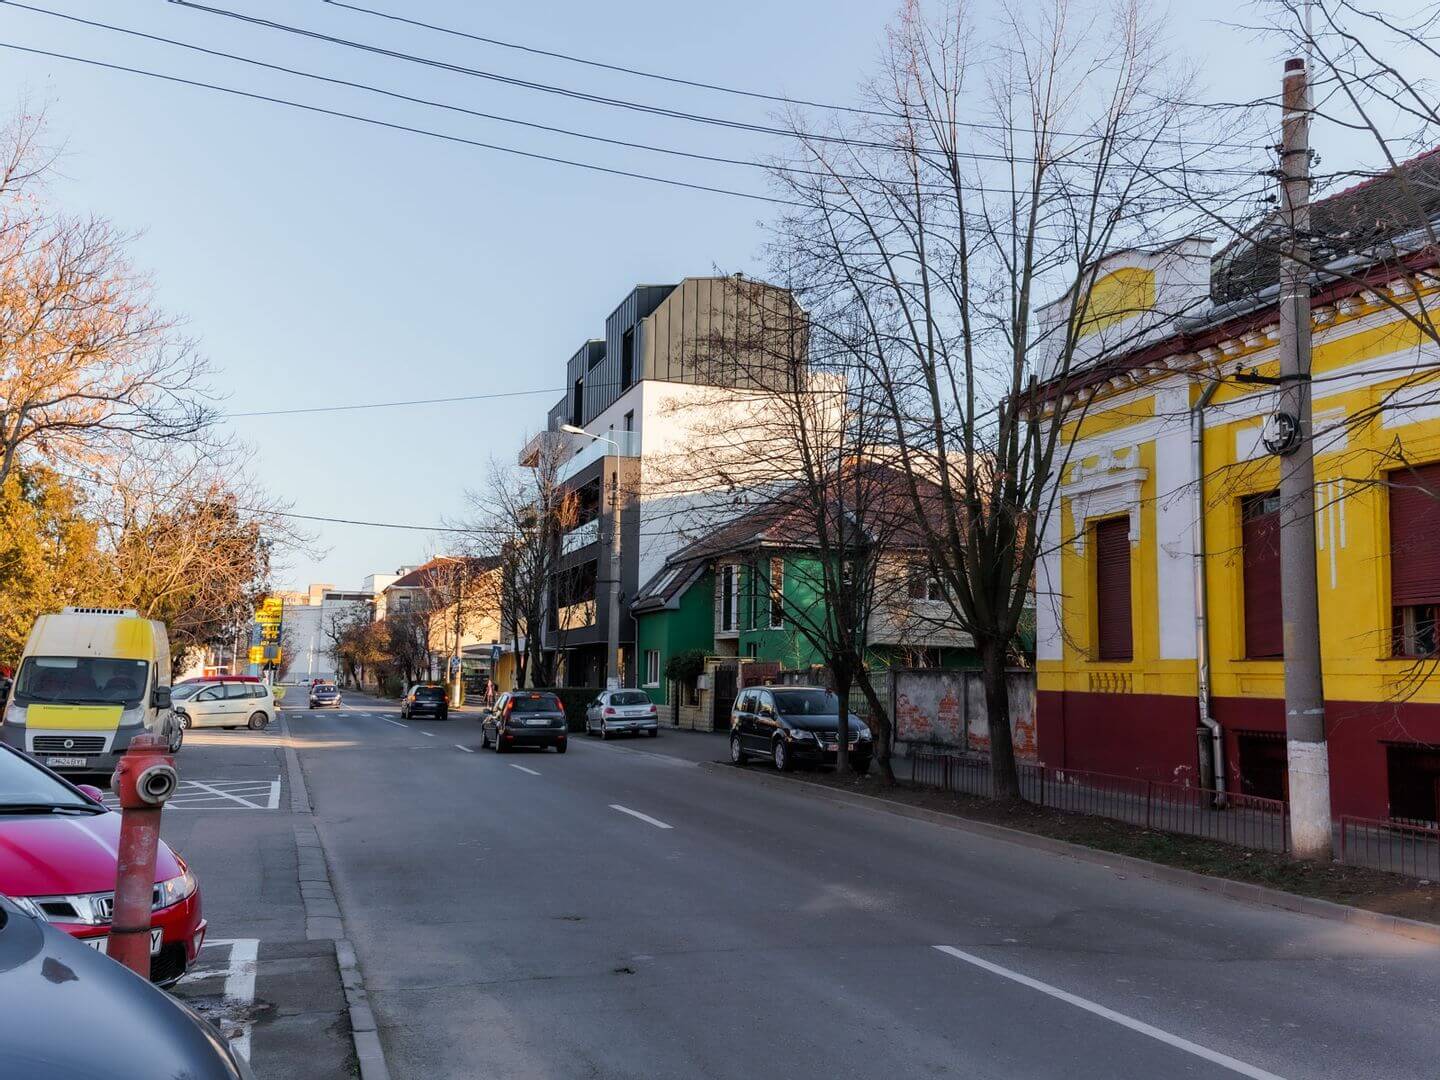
<point>454,665</point>
<point>494,654</point>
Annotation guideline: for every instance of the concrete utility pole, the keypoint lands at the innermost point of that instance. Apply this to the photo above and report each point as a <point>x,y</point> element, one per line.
<point>1292,437</point>
<point>613,674</point>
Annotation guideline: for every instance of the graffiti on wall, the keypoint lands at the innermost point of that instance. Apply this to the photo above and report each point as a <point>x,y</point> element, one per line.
<point>946,709</point>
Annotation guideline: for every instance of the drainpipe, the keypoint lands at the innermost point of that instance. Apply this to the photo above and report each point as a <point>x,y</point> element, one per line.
<point>1202,592</point>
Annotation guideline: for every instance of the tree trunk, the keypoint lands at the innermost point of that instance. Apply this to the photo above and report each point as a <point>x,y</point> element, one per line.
<point>842,745</point>
<point>1004,781</point>
<point>880,728</point>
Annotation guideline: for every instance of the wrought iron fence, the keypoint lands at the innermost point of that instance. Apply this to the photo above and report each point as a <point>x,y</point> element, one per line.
<point>1231,818</point>
<point>1398,846</point>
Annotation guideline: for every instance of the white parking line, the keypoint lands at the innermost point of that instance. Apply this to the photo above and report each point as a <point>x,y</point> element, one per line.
<point>397,723</point>
<point>465,748</point>
<point>643,817</point>
<point>430,733</point>
<point>1233,1064</point>
<point>240,985</point>
<point>522,768</point>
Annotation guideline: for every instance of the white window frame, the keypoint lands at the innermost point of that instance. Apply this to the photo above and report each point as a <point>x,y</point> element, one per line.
<point>652,668</point>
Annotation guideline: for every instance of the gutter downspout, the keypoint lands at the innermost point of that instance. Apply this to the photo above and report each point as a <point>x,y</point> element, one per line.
<point>1202,592</point>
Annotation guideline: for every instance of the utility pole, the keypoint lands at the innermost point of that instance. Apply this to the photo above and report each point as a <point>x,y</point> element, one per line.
<point>613,674</point>
<point>1291,436</point>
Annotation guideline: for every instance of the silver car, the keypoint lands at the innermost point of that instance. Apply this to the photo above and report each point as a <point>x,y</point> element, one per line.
<point>616,711</point>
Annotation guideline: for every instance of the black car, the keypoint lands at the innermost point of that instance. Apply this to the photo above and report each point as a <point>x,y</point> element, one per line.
<point>50,983</point>
<point>793,725</point>
<point>425,699</point>
<point>324,696</point>
<point>525,718</point>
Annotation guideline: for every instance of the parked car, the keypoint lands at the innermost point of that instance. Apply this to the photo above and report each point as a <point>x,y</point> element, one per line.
<point>793,725</point>
<point>324,695</point>
<point>225,702</point>
<point>425,699</point>
<point>616,712</point>
<point>58,847</point>
<point>525,718</point>
<point>70,1013</point>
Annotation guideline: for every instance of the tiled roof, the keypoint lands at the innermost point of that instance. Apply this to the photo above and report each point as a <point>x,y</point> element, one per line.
<point>425,575</point>
<point>1359,219</point>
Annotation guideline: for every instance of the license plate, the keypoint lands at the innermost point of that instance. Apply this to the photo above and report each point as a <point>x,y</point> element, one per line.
<point>102,944</point>
<point>538,722</point>
<point>67,762</point>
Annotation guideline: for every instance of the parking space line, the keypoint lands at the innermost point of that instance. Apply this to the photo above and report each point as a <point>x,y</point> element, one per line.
<point>240,984</point>
<point>643,817</point>
<point>465,748</point>
<point>522,768</point>
<point>1214,1056</point>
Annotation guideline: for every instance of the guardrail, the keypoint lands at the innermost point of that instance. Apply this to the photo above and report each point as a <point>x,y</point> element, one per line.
<point>1397,846</point>
<point>1243,820</point>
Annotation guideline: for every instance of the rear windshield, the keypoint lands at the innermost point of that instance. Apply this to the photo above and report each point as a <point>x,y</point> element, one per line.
<point>81,680</point>
<point>429,693</point>
<point>630,697</point>
<point>807,702</point>
<point>535,703</point>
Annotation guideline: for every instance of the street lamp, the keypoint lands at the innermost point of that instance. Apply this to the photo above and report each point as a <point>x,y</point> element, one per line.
<point>612,642</point>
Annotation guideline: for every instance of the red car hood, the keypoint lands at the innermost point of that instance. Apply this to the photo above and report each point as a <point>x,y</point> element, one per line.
<point>53,854</point>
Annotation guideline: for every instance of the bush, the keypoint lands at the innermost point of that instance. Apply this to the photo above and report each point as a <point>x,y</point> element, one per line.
<point>686,667</point>
<point>576,700</point>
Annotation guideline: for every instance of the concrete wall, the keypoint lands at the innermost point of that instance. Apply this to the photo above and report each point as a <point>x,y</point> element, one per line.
<point>946,708</point>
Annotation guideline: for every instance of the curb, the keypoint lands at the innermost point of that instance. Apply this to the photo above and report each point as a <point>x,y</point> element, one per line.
<point>324,922</point>
<point>1245,892</point>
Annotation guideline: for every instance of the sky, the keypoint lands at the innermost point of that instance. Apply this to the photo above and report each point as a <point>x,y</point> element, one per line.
<point>320,261</point>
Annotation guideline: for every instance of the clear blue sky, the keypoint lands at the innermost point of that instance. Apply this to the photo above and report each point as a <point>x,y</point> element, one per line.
<point>321,261</point>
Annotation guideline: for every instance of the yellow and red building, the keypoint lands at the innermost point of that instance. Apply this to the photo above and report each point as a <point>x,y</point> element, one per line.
<point>1137,607</point>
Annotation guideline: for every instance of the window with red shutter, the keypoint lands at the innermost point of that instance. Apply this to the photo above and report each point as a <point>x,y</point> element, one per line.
<point>1260,540</point>
<point>1112,589</point>
<point>1415,558</point>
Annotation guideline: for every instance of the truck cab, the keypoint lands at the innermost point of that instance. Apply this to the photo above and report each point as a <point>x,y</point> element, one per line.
<point>89,681</point>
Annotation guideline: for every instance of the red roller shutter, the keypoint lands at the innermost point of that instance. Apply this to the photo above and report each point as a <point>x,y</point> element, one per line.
<point>1260,535</point>
<point>1112,588</point>
<point>1415,536</point>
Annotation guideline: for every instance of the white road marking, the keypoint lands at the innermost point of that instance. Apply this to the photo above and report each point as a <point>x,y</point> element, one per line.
<point>240,984</point>
<point>522,768</point>
<point>225,794</point>
<point>465,748</point>
<point>397,723</point>
<point>643,817</point>
<point>429,733</point>
<point>1233,1064</point>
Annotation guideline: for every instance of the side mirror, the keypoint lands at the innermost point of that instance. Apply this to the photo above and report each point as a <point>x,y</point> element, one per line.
<point>91,792</point>
<point>160,697</point>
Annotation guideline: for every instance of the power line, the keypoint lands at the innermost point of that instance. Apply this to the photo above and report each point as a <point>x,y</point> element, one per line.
<point>758,95</point>
<point>390,404</point>
<point>624,103</point>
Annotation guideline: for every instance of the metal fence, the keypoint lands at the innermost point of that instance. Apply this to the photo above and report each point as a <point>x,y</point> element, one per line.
<point>1397,846</point>
<point>1243,820</point>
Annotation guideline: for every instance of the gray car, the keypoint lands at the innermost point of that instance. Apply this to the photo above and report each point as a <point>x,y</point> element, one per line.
<point>622,712</point>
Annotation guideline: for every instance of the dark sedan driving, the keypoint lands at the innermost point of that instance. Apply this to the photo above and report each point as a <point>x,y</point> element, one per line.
<point>324,696</point>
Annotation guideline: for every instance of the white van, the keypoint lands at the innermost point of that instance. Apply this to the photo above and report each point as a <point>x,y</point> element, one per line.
<point>89,681</point>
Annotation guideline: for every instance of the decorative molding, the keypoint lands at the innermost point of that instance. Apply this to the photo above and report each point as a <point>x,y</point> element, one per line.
<point>1111,486</point>
<point>1112,682</point>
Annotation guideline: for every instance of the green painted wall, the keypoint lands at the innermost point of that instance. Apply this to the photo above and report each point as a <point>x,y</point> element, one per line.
<point>689,626</point>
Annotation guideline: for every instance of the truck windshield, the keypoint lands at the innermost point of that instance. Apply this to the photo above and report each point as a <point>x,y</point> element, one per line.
<point>81,680</point>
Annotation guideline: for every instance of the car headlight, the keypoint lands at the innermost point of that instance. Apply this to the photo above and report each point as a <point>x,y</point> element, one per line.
<point>801,733</point>
<point>174,890</point>
<point>860,732</point>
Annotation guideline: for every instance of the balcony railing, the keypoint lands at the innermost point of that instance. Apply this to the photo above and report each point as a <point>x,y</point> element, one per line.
<point>580,536</point>
<point>617,444</point>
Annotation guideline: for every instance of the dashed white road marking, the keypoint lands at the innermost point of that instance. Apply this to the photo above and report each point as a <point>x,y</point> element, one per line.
<point>1224,1060</point>
<point>522,768</point>
<point>429,733</point>
<point>465,748</point>
<point>397,723</point>
<point>643,817</point>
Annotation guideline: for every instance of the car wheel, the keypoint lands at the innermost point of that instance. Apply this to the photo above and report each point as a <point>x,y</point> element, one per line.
<point>484,738</point>
<point>258,721</point>
<point>737,755</point>
<point>560,747</point>
<point>782,756</point>
<point>655,733</point>
<point>861,766</point>
<point>177,737</point>
<point>185,722</point>
<point>603,735</point>
<point>498,748</point>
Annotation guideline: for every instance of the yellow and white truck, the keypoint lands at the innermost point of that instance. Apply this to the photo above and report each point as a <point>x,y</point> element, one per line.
<point>89,681</point>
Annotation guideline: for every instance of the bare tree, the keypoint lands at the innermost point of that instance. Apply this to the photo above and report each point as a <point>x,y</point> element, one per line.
<point>998,162</point>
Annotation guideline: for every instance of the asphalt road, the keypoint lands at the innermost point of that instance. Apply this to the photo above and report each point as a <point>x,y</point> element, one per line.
<point>624,912</point>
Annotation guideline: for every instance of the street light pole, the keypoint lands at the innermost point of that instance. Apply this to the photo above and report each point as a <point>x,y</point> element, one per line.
<point>613,672</point>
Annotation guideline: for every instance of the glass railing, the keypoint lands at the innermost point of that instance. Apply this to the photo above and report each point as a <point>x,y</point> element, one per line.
<point>580,536</point>
<point>610,444</point>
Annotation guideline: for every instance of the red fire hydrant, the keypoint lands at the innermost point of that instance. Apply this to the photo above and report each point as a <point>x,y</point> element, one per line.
<point>144,778</point>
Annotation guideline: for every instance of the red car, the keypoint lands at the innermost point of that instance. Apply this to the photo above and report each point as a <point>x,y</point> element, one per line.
<point>58,847</point>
